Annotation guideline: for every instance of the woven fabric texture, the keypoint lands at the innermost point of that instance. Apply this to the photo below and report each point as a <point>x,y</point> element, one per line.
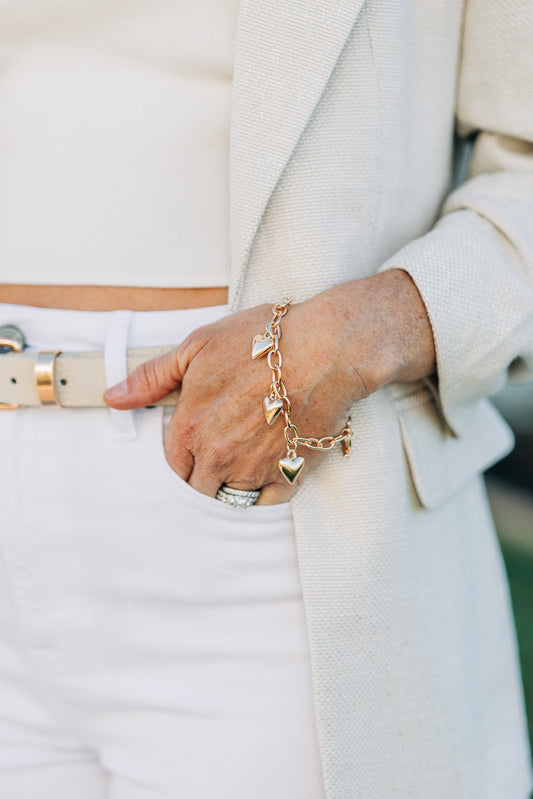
<point>343,123</point>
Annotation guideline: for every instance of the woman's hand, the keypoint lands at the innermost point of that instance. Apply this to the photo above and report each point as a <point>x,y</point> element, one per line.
<point>337,347</point>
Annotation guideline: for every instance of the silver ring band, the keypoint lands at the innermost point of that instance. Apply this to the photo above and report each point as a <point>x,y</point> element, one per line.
<point>237,497</point>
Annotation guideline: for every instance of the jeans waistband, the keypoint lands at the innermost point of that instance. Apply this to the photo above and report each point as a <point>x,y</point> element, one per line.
<point>50,328</point>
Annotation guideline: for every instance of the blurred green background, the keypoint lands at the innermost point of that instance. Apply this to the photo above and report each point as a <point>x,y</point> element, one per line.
<point>510,488</point>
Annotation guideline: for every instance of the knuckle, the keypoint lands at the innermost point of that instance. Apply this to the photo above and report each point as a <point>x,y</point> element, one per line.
<point>195,342</point>
<point>218,456</point>
<point>188,432</point>
<point>148,376</point>
<point>251,480</point>
<point>197,337</point>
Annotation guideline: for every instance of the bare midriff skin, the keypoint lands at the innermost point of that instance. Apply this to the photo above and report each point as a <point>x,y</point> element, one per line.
<point>112,298</point>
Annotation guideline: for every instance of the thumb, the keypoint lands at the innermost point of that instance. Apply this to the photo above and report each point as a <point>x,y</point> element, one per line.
<point>150,382</point>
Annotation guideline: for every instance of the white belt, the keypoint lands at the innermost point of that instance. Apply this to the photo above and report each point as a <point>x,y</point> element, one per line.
<point>69,379</point>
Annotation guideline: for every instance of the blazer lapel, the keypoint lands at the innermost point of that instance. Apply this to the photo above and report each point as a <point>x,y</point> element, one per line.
<point>284,54</point>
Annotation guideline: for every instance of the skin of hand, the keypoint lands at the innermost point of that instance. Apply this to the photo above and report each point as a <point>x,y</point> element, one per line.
<point>337,347</point>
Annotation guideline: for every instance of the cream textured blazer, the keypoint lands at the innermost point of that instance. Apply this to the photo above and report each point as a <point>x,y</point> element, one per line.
<point>342,154</point>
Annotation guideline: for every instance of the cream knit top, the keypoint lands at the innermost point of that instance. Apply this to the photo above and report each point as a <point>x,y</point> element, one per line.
<point>114,141</point>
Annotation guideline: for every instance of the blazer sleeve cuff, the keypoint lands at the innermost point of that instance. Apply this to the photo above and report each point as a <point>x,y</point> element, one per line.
<point>480,306</point>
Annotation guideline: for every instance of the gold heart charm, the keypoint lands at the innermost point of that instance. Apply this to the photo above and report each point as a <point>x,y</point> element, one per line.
<point>272,409</point>
<point>290,468</point>
<point>260,346</point>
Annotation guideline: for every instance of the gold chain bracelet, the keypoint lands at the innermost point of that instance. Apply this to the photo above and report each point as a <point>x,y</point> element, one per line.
<point>277,402</point>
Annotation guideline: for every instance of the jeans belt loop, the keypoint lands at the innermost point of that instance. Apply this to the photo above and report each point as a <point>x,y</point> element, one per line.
<point>116,368</point>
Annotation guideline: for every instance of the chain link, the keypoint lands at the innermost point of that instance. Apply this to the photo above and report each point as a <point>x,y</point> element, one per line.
<point>278,391</point>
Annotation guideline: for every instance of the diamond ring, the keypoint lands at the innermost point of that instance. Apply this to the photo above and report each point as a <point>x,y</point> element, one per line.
<point>237,497</point>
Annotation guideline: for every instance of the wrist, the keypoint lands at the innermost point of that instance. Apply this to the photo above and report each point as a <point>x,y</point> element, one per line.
<point>377,330</point>
<point>411,335</point>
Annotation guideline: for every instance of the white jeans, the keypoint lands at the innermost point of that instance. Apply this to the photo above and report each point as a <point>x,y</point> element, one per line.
<point>152,639</point>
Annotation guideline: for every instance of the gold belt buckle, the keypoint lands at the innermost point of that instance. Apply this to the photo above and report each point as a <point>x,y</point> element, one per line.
<point>44,376</point>
<point>12,337</point>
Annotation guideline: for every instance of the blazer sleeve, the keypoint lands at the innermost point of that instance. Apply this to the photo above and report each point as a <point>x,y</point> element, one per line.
<point>474,269</point>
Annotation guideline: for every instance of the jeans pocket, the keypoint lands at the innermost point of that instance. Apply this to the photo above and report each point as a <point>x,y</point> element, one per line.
<point>157,419</point>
